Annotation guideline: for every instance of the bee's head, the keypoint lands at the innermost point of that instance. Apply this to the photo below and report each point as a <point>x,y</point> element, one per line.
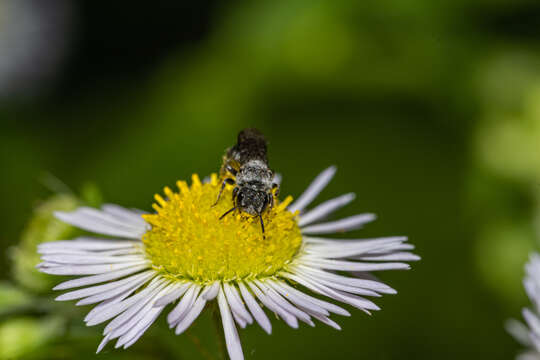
<point>252,201</point>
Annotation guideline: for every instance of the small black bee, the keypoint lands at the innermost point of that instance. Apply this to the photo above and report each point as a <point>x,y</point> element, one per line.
<point>246,166</point>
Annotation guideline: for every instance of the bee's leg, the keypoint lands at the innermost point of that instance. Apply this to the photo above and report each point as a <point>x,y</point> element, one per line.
<point>270,200</point>
<point>231,170</point>
<point>227,212</point>
<point>225,182</point>
<point>234,195</point>
<point>275,189</point>
<point>262,225</point>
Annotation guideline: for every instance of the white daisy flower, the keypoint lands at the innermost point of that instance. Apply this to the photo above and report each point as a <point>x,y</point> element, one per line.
<point>529,335</point>
<point>183,254</point>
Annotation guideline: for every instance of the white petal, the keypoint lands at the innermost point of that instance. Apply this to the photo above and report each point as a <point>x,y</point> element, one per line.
<point>126,215</point>
<point>324,209</point>
<point>191,315</point>
<point>384,250</point>
<point>125,331</point>
<point>96,279</point>
<point>235,303</point>
<point>356,301</point>
<point>255,309</point>
<point>211,291</point>
<point>47,265</point>
<point>125,251</point>
<point>532,290</point>
<point>100,222</point>
<point>318,302</point>
<point>333,248</point>
<point>391,248</point>
<point>50,251</point>
<point>405,247</point>
<point>90,269</point>
<point>106,312</point>
<point>232,340</point>
<point>104,304</point>
<point>91,259</point>
<point>519,331</point>
<point>102,216</point>
<point>88,243</point>
<point>532,320</point>
<point>284,304</point>
<point>535,340</point>
<point>365,276</point>
<point>277,178</point>
<point>529,355</point>
<point>298,301</point>
<point>399,256</point>
<point>363,283</point>
<point>134,285</point>
<point>184,305</point>
<point>347,224</point>
<point>301,303</point>
<point>176,291</point>
<point>359,303</point>
<point>132,307</point>
<point>270,304</point>
<point>532,280</point>
<point>352,266</point>
<point>313,189</point>
<point>139,328</point>
<point>143,330</point>
<point>320,241</point>
<point>241,322</point>
<point>328,322</point>
<point>102,344</point>
<point>78,294</point>
<point>144,319</point>
<point>336,285</point>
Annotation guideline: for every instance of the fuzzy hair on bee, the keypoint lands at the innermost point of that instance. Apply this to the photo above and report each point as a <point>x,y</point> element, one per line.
<point>245,165</point>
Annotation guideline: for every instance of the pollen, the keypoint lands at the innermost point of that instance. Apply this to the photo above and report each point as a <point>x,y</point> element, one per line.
<point>189,241</point>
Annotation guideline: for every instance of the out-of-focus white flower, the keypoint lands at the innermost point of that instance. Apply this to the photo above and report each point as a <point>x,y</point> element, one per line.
<point>529,335</point>
<point>33,41</point>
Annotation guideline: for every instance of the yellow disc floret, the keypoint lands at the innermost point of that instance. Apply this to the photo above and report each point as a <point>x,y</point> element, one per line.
<point>188,240</point>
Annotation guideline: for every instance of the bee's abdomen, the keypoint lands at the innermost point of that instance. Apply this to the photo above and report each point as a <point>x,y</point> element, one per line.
<point>251,145</point>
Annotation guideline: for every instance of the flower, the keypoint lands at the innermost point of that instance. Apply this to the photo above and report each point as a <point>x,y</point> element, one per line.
<point>184,253</point>
<point>529,336</point>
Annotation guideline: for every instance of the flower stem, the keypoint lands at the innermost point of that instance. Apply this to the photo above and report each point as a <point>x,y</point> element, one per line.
<point>219,333</point>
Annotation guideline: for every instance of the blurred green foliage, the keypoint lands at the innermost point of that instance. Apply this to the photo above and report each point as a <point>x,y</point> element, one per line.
<point>43,227</point>
<point>507,172</point>
<point>430,110</point>
<point>12,298</point>
<point>22,336</point>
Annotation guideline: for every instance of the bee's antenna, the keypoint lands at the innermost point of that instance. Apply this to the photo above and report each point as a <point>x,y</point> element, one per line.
<point>227,212</point>
<point>262,226</point>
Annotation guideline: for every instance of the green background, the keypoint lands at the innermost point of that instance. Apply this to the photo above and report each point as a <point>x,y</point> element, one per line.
<point>428,108</point>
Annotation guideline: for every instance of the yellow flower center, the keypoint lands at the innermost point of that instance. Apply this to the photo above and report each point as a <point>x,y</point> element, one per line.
<point>188,240</point>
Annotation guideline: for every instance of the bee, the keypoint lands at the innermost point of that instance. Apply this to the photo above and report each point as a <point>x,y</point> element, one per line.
<point>245,165</point>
